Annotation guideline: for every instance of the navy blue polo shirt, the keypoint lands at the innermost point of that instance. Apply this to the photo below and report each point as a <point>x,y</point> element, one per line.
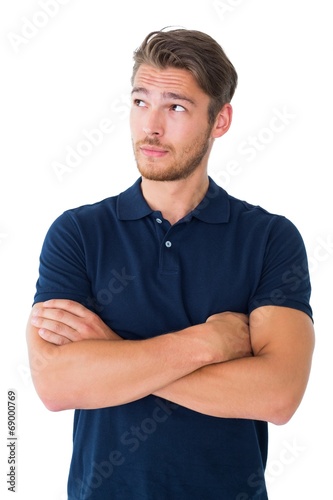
<point>144,278</point>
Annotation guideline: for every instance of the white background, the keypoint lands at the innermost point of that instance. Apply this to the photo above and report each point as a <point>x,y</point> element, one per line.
<point>72,72</point>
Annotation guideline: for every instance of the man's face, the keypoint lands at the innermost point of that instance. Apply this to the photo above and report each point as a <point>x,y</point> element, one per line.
<point>169,123</point>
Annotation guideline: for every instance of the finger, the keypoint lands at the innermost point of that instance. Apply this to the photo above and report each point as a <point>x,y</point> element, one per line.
<point>55,327</point>
<point>52,337</point>
<point>70,306</point>
<point>60,316</point>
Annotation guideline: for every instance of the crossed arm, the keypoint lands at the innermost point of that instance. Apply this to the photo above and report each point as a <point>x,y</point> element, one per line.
<point>230,366</point>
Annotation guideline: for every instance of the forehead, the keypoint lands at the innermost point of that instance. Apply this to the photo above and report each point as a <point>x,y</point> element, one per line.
<point>168,79</point>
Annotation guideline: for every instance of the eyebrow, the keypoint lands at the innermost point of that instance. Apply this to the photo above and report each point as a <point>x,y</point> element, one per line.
<point>165,95</point>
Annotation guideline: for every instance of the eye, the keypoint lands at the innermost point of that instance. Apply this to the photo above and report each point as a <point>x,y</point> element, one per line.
<point>178,108</point>
<point>139,103</point>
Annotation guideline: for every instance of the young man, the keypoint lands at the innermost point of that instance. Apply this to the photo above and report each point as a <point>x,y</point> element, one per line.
<point>172,317</point>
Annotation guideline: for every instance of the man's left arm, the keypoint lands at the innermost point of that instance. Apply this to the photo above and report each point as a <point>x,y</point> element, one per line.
<point>269,385</point>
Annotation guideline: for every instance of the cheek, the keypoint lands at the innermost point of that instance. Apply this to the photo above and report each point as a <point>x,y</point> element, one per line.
<point>188,137</point>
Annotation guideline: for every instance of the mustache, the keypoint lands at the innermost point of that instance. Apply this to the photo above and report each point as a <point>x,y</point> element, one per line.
<point>154,141</point>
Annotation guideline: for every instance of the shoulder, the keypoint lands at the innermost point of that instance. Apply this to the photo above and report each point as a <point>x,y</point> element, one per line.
<point>248,210</point>
<point>107,206</point>
<point>259,230</point>
<point>255,218</point>
<point>79,228</point>
<point>236,210</point>
<point>127,205</point>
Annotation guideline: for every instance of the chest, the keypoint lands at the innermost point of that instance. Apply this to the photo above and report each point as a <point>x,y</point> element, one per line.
<point>148,281</point>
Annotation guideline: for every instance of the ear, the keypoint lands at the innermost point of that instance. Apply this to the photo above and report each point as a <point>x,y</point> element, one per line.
<point>222,122</point>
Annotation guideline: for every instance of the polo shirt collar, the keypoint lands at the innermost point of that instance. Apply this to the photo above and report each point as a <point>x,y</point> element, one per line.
<point>214,208</point>
<point>131,204</point>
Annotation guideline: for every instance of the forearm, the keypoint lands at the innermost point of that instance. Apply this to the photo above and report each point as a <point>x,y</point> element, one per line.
<point>241,388</point>
<point>100,373</point>
<point>267,386</point>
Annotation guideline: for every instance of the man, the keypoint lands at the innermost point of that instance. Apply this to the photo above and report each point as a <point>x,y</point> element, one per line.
<point>172,317</point>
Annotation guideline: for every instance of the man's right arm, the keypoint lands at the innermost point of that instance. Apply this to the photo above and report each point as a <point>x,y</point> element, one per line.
<point>97,373</point>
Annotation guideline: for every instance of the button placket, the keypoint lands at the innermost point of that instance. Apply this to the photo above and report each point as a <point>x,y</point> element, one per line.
<point>169,251</point>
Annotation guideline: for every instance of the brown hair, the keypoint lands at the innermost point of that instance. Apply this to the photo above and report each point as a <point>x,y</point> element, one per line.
<point>196,52</point>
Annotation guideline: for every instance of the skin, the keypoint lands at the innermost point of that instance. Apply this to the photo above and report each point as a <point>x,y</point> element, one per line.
<point>168,143</point>
<point>234,366</point>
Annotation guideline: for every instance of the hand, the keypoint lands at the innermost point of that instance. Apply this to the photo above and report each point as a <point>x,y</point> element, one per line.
<point>233,335</point>
<point>60,321</point>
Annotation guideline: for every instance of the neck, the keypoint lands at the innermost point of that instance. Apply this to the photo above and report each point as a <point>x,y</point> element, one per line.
<point>175,199</point>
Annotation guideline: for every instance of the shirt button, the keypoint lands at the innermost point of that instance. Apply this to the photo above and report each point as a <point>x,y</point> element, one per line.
<point>168,244</point>
<point>159,221</point>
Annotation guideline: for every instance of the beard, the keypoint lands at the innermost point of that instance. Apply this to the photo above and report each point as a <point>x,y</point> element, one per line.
<point>180,166</point>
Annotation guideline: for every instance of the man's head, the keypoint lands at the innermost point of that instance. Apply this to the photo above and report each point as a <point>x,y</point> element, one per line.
<point>182,85</point>
<point>197,53</point>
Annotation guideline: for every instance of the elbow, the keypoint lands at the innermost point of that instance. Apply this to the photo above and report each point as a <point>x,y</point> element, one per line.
<point>52,404</point>
<point>49,395</point>
<point>280,417</point>
<point>55,399</point>
<point>53,391</point>
<point>283,409</point>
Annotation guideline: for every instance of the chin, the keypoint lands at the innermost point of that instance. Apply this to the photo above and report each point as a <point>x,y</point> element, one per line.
<point>156,173</point>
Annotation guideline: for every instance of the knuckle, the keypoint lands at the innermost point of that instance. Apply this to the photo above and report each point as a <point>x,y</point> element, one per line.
<point>85,330</point>
<point>91,317</point>
<point>58,314</point>
<point>62,341</point>
<point>58,328</point>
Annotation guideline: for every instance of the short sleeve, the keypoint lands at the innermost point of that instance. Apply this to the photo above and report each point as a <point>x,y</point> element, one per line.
<point>62,268</point>
<point>284,279</point>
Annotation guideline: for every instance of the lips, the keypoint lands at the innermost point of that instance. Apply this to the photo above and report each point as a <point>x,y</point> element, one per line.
<point>153,151</point>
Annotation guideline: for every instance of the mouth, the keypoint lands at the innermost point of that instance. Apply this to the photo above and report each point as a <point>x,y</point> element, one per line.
<point>153,151</point>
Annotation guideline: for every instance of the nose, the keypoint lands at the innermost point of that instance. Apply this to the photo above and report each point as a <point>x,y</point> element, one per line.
<point>153,124</point>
